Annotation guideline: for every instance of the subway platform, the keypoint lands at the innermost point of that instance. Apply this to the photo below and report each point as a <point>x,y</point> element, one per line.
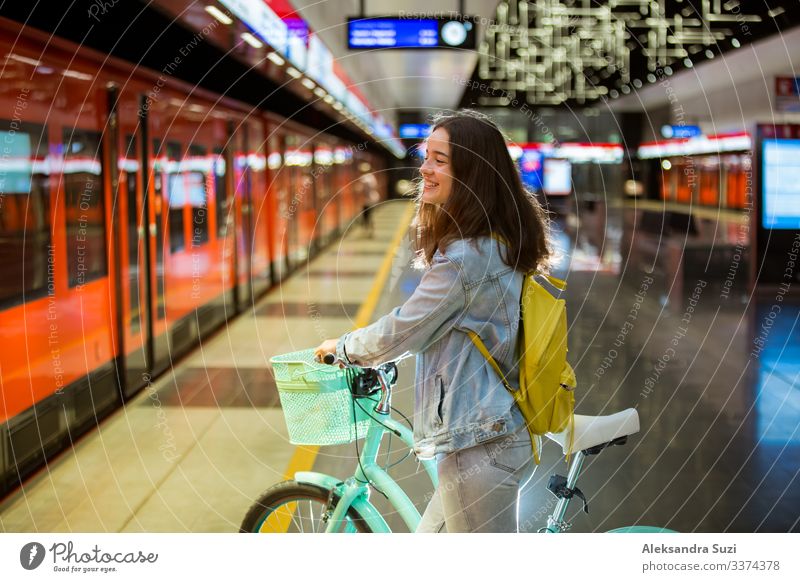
<point>718,450</point>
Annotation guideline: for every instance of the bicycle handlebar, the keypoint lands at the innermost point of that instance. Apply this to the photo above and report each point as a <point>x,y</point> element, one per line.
<point>384,380</point>
<point>330,359</point>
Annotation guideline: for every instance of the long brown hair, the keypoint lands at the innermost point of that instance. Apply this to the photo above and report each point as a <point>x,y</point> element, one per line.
<point>487,198</point>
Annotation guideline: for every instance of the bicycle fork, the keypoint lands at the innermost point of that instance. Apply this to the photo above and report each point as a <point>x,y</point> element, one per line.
<point>347,494</point>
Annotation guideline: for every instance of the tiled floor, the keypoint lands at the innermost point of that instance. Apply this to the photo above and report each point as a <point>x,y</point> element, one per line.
<point>719,447</point>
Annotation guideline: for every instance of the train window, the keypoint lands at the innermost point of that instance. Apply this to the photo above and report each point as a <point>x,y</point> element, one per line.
<point>195,180</point>
<point>26,255</point>
<point>221,191</point>
<point>177,197</point>
<point>85,207</point>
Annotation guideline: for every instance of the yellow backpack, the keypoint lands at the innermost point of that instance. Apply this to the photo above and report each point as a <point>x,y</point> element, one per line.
<point>547,382</point>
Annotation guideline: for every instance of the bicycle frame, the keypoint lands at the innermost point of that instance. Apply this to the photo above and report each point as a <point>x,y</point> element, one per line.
<point>354,492</point>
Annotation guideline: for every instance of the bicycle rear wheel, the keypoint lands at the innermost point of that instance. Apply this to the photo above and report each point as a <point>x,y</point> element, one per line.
<point>292,507</point>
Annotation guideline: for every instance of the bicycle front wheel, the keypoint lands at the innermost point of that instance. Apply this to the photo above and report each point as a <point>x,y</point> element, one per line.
<point>292,507</point>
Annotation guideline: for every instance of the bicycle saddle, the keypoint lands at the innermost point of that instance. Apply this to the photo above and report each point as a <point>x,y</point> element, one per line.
<point>592,431</point>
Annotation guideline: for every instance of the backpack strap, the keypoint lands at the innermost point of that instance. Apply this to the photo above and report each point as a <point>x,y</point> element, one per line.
<point>559,284</point>
<point>482,349</point>
<point>536,442</point>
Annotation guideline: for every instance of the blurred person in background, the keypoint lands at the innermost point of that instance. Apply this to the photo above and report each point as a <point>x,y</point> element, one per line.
<point>371,196</point>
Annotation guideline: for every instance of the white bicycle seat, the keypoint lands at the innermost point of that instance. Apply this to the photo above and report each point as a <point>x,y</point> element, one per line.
<point>591,431</point>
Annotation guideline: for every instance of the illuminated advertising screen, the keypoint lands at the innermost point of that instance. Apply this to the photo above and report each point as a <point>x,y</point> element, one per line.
<point>557,177</point>
<point>531,169</point>
<point>780,184</point>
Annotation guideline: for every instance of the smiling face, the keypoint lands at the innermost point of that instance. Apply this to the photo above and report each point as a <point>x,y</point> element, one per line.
<point>436,170</point>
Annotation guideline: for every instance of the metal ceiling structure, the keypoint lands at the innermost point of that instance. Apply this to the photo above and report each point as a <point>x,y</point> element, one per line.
<point>550,52</point>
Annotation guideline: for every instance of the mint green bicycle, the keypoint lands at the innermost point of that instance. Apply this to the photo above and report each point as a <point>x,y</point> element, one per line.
<point>326,405</point>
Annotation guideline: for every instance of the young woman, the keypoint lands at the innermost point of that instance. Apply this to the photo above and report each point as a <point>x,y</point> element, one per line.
<point>478,232</point>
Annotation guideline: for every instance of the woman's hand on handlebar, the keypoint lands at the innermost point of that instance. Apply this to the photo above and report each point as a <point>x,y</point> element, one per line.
<point>326,347</point>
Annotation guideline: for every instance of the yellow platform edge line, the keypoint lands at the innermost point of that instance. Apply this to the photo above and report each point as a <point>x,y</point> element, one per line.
<point>305,455</point>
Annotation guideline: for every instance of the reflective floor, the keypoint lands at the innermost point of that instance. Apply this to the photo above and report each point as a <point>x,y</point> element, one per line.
<point>712,372</point>
<point>718,396</point>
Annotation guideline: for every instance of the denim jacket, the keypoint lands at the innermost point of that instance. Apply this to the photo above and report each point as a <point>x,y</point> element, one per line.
<point>459,399</point>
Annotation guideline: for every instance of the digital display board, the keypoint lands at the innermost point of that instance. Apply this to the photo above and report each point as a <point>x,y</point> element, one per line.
<point>680,131</point>
<point>780,184</point>
<point>410,33</point>
<point>414,130</point>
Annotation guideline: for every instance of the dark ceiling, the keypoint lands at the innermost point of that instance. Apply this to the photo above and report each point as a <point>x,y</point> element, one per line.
<point>137,32</point>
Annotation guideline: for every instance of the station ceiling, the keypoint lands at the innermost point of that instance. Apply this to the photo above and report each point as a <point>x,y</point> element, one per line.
<point>547,52</point>
<point>398,79</point>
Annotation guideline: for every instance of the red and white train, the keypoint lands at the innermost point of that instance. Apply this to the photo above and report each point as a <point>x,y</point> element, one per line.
<point>137,214</point>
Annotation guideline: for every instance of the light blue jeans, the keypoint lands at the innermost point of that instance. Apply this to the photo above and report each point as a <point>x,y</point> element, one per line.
<point>479,486</point>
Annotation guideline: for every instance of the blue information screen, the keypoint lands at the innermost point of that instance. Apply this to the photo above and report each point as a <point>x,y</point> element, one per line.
<point>393,33</point>
<point>414,130</point>
<point>680,131</point>
<point>404,33</point>
<point>780,184</point>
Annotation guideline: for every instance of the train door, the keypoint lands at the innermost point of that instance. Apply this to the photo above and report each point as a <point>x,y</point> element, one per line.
<point>155,208</point>
<point>278,207</point>
<point>323,202</point>
<point>296,167</point>
<point>708,168</point>
<point>341,187</point>
<point>684,188</point>
<point>88,318</point>
<point>736,170</point>
<point>257,162</point>
<point>225,235</point>
<point>243,218</point>
<point>133,289</point>
<point>306,191</point>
